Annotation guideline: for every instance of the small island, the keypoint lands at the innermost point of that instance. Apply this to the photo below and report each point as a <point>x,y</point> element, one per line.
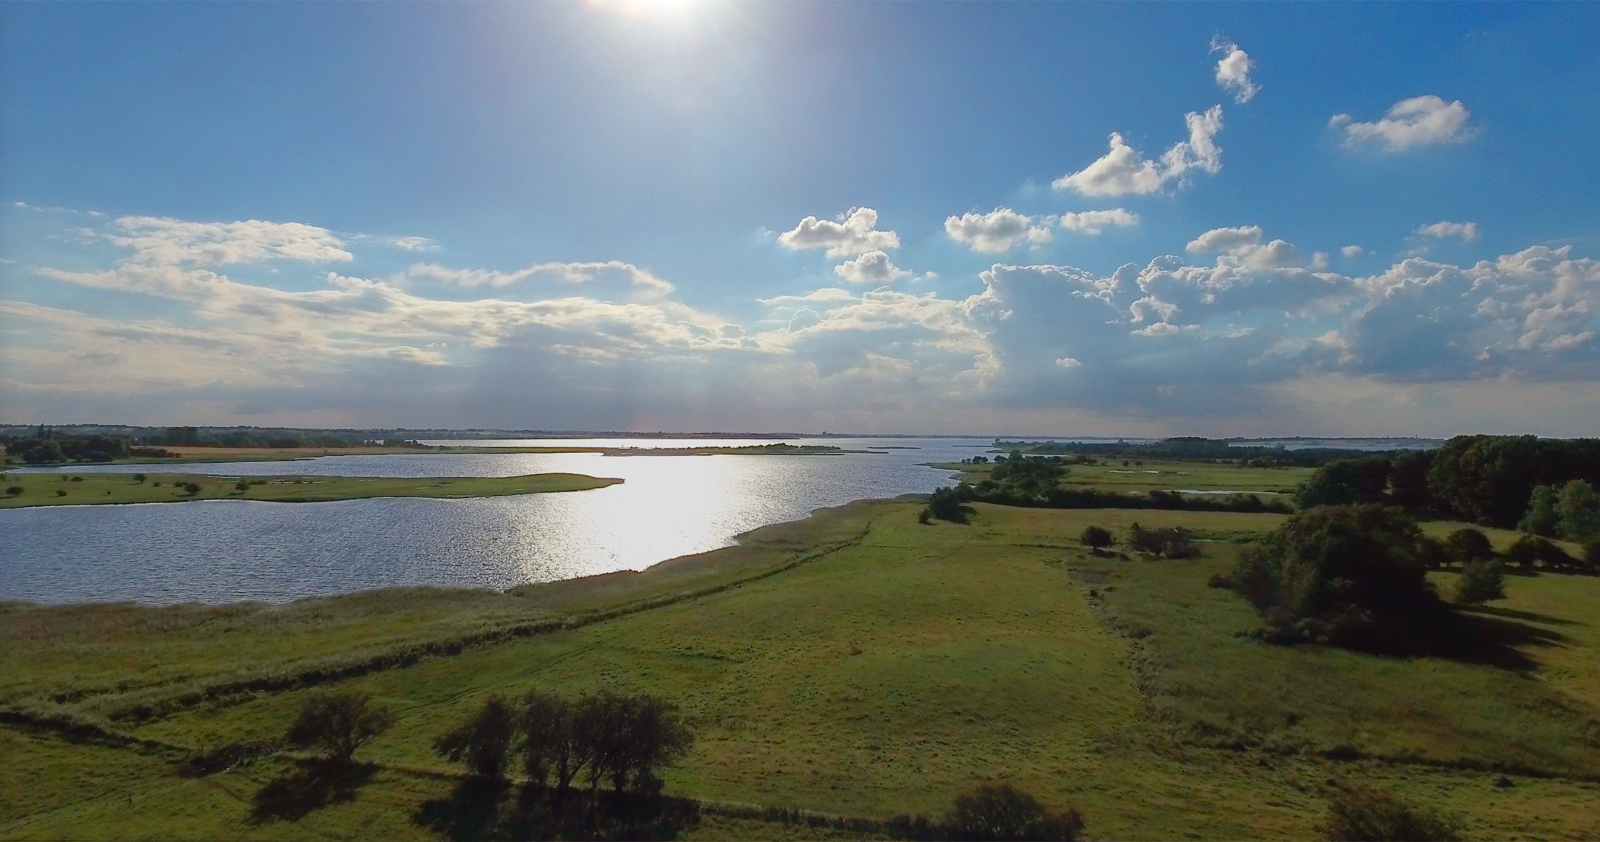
<point>23,490</point>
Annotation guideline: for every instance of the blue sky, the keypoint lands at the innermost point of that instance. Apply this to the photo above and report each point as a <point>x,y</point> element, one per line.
<point>1315,219</point>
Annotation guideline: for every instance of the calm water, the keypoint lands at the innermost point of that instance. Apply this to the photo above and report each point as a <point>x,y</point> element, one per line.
<point>223,551</point>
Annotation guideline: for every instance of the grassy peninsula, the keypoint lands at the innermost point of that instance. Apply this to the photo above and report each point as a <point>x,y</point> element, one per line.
<point>89,488</point>
<point>857,664</point>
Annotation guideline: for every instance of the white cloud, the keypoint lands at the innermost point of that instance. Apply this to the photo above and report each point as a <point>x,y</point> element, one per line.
<point>1352,251</point>
<point>1095,221</point>
<point>998,230</point>
<point>1319,261</point>
<point>171,242</point>
<point>414,244</point>
<point>1233,70</point>
<point>1068,362</point>
<point>852,234</point>
<point>572,273</point>
<point>1122,170</point>
<point>1226,239</point>
<point>1467,231</point>
<point>1419,121</point>
<point>873,267</point>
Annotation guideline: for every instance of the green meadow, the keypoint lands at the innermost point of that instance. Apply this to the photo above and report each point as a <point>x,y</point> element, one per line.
<point>91,488</point>
<point>1158,475</point>
<point>856,664</point>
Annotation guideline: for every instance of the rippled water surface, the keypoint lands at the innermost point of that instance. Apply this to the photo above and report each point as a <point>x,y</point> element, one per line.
<point>222,551</point>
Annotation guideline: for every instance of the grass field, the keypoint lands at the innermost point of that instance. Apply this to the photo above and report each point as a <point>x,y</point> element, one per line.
<point>1154,475</point>
<point>856,664</point>
<point>90,488</point>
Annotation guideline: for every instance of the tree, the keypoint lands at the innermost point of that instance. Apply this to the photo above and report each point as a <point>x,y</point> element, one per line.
<point>1344,482</point>
<point>950,504</point>
<point>339,723</point>
<point>1579,508</point>
<point>1433,554</point>
<point>549,744</point>
<point>13,490</point>
<point>1359,814</point>
<point>1524,552</point>
<point>626,738</point>
<point>1469,545</point>
<point>1481,581</point>
<point>995,812</point>
<point>1097,538</point>
<point>1408,482</point>
<point>1591,556</point>
<point>1542,518</point>
<point>483,740</point>
<point>1347,575</point>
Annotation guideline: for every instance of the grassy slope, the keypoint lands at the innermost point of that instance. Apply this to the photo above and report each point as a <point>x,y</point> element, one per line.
<point>882,676</point>
<point>100,488</point>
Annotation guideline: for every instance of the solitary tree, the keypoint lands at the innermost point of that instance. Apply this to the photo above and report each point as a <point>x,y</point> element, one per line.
<point>483,740</point>
<point>1579,507</point>
<point>339,723</point>
<point>1469,545</point>
<point>1481,581</point>
<point>1097,538</point>
<point>1542,518</point>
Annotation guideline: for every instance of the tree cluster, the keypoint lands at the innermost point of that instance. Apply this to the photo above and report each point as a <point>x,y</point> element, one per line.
<point>1570,510</point>
<point>45,448</point>
<point>1350,576</point>
<point>606,737</point>
<point>1163,542</point>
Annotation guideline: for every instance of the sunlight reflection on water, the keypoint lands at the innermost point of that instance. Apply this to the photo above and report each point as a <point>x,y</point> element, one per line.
<point>219,551</point>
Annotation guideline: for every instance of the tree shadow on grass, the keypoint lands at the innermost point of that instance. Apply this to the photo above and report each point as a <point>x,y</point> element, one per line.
<point>309,788</point>
<point>1478,638</point>
<point>477,809</point>
<point>1526,616</point>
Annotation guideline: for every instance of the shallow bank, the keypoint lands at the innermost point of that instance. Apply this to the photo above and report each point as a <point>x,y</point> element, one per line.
<point>93,488</point>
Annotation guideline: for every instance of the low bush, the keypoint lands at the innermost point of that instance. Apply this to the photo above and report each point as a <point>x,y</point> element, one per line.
<point>991,812</point>
<point>1469,545</point>
<point>1358,814</point>
<point>1097,538</point>
<point>1167,542</point>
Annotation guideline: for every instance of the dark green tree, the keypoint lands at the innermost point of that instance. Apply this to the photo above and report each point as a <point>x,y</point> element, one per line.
<point>1579,509</point>
<point>1469,545</point>
<point>1481,581</point>
<point>483,740</point>
<point>1542,517</point>
<point>339,723</point>
<point>1097,538</point>
<point>1344,482</point>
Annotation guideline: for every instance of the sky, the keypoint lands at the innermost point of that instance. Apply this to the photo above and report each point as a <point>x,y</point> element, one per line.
<point>1027,218</point>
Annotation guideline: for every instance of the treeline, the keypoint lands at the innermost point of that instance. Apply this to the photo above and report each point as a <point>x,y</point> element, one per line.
<point>44,447</point>
<point>1482,479</point>
<point>1195,449</point>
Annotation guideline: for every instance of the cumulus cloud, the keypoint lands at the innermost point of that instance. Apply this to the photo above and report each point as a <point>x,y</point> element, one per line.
<point>1467,231</point>
<point>873,267</point>
<point>1095,221</point>
<point>1419,121</point>
<point>997,231</point>
<point>1226,239</point>
<point>1233,70</point>
<point>851,234</point>
<point>1123,171</point>
<point>1352,251</point>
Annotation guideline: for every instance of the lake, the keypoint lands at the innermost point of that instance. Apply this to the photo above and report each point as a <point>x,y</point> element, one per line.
<point>231,550</point>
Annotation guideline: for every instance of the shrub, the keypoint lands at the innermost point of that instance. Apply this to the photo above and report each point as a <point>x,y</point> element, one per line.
<point>1552,556</point>
<point>483,740</point>
<point>339,723</point>
<point>1469,545</point>
<point>950,504</point>
<point>13,490</point>
<point>1591,556</point>
<point>1346,575</point>
<point>191,488</point>
<point>1481,581</point>
<point>1000,811</point>
<point>138,477</point>
<point>1097,538</point>
<point>1359,814</point>
<point>925,516</point>
<point>241,486</point>
<point>60,493</point>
